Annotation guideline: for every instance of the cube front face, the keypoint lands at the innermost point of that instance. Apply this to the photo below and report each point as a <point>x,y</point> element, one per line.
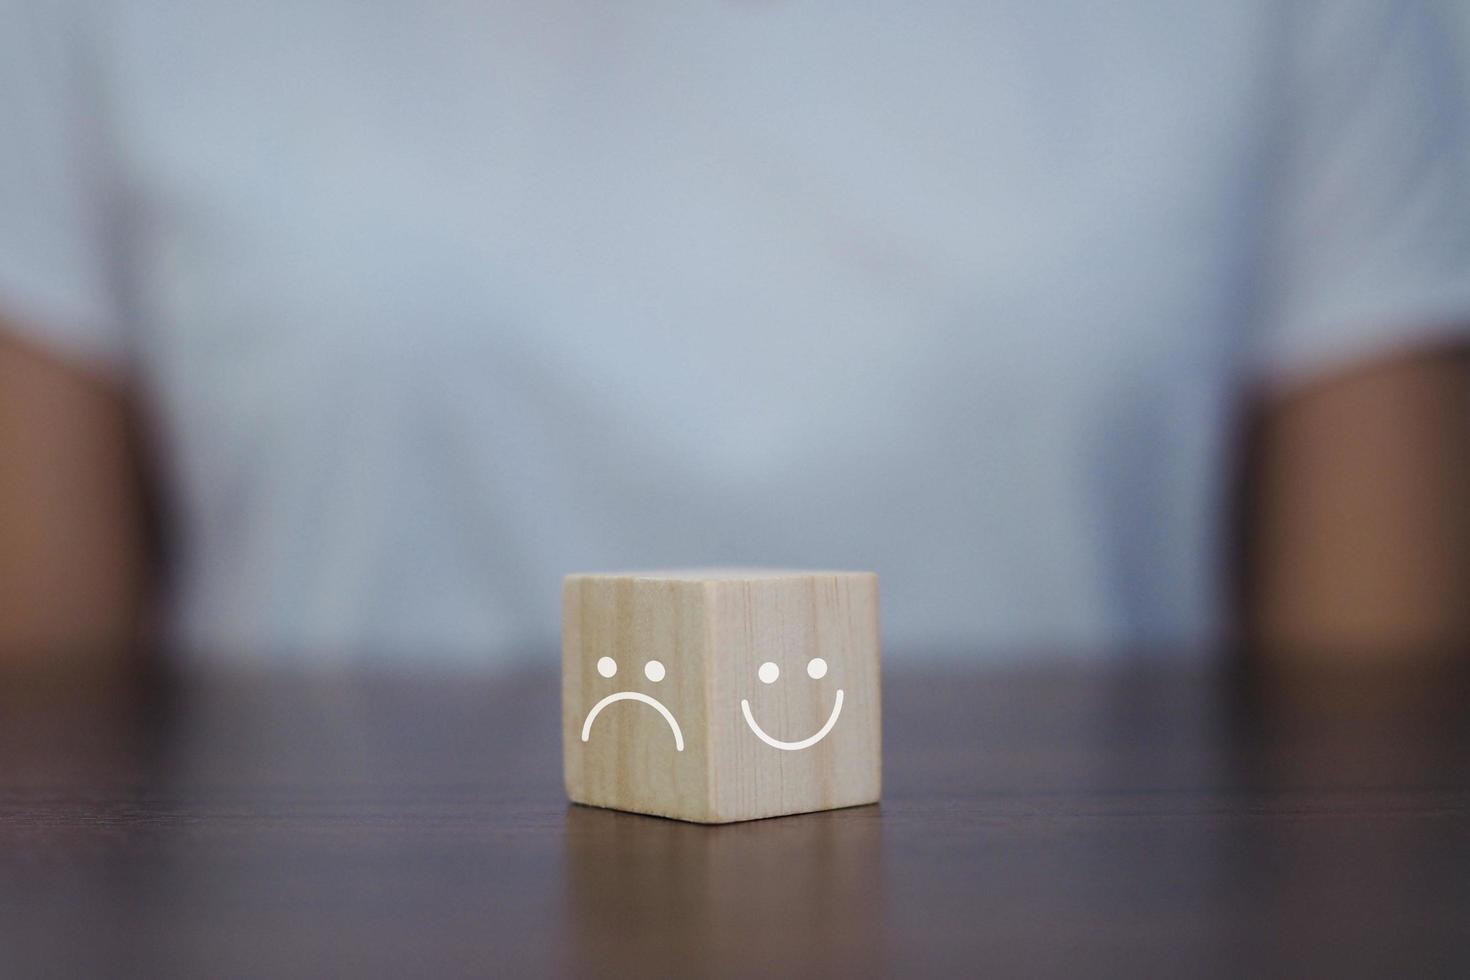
<point>645,746</point>
<point>768,680</point>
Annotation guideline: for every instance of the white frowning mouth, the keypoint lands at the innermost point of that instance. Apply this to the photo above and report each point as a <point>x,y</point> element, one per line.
<point>654,702</point>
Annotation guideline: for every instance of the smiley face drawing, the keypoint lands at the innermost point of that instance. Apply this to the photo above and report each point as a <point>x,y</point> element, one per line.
<point>654,671</point>
<point>770,673</point>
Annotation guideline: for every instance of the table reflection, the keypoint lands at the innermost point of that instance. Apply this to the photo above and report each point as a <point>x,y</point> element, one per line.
<point>795,894</point>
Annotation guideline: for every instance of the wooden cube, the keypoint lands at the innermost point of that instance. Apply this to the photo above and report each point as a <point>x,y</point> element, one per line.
<point>716,696</point>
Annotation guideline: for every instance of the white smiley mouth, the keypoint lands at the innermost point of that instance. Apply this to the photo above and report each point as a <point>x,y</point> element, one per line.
<point>654,702</point>
<point>776,743</point>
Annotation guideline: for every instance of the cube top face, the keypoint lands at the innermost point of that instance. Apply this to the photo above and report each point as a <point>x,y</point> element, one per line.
<point>721,695</point>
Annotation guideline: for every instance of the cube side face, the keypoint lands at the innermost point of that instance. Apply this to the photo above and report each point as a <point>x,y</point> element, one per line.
<point>794,744</point>
<point>634,723</point>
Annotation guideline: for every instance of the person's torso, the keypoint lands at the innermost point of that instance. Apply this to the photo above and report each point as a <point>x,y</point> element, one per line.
<point>441,301</point>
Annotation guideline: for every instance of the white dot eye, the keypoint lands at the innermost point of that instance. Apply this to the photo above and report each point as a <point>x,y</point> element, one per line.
<point>768,672</point>
<point>654,671</point>
<point>816,668</point>
<point>607,666</point>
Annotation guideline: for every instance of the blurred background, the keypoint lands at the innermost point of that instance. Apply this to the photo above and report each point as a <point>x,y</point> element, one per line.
<point>343,331</point>
<point>1126,342</point>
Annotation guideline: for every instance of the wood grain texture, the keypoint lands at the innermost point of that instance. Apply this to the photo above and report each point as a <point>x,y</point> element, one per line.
<point>711,631</point>
<point>1059,821</point>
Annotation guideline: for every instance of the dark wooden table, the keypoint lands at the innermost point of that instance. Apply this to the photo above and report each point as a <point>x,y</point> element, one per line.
<point>1064,821</point>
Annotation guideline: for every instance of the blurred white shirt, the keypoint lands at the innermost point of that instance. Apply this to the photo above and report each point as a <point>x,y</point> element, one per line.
<point>435,302</point>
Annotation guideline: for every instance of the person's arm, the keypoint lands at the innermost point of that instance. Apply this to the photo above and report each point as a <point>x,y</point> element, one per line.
<point>74,561</point>
<point>1358,527</point>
